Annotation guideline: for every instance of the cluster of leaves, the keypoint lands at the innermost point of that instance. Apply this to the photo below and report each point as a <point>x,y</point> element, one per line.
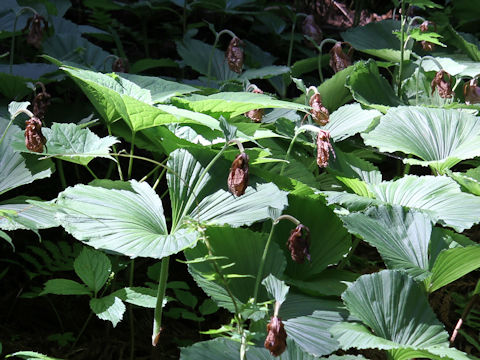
<point>234,245</point>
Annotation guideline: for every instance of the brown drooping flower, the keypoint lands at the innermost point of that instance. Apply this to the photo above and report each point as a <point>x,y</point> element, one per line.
<point>471,92</point>
<point>323,148</point>
<point>234,55</point>
<point>35,30</point>
<point>256,114</point>
<point>238,176</point>
<point>427,45</point>
<point>120,65</point>
<point>40,102</point>
<point>319,112</point>
<point>338,59</point>
<point>276,340</point>
<point>312,30</point>
<point>299,244</point>
<point>444,87</point>
<point>34,139</point>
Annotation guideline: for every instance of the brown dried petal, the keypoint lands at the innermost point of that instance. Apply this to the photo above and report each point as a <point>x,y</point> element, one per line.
<point>323,148</point>
<point>424,26</point>
<point>299,244</point>
<point>256,114</point>
<point>338,59</point>
<point>276,340</point>
<point>471,92</point>
<point>444,88</point>
<point>311,29</point>
<point>319,113</point>
<point>427,45</point>
<point>35,32</point>
<point>238,176</point>
<point>40,104</point>
<point>120,65</point>
<point>234,55</point>
<point>34,139</point>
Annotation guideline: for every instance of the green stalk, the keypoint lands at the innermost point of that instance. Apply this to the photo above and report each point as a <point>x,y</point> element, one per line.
<point>262,263</point>
<point>91,172</point>
<point>320,50</point>
<point>12,47</point>
<point>162,285</point>
<point>130,161</point>
<point>289,150</point>
<point>210,58</point>
<point>119,168</point>
<point>130,312</point>
<point>403,18</point>
<point>61,174</point>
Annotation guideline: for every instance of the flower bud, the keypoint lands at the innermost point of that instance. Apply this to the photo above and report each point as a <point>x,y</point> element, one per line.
<point>427,45</point>
<point>319,113</point>
<point>34,139</point>
<point>299,244</point>
<point>256,114</point>
<point>238,176</point>
<point>120,65</point>
<point>323,148</point>
<point>276,340</point>
<point>234,55</point>
<point>444,88</point>
<point>40,102</point>
<point>471,92</point>
<point>338,59</point>
<point>311,29</point>
<point>35,32</point>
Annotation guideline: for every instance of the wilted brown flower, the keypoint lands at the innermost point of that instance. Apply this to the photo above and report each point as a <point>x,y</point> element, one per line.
<point>34,139</point>
<point>120,65</point>
<point>319,112</point>
<point>40,102</point>
<point>311,29</point>
<point>276,340</point>
<point>323,148</point>
<point>255,114</point>
<point>299,244</point>
<point>427,45</point>
<point>234,55</point>
<point>35,32</point>
<point>238,176</point>
<point>471,92</point>
<point>444,88</point>
<point>338,59</point>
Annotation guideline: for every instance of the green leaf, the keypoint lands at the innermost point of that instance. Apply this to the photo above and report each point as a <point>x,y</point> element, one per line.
<point>440,138</point>
<point>17,169</point>
<point>452,264</point>
<point>208,307</point>
<point>370,88</point>
<point>65,287</point>
<point>27,214</point>
<point>396,310</point>
<point>459,41</point>
<point>349,165</point>
<point>437,196</point>
<point>431,37</point>
<point>147,64</point>
<point>334,92</point>
<point>140,296</point>
<point>349,120</point>
<point>400,236</point>
<point>109,308</point>
<point>243,250</point>
<point>7,238</point>
<point>128,221</point>
<point>93,267</point>
<point>31,355</point>
<point>186,298</point>
<point>422,4</point>
<point>276,288</point>
<point>264,72</point>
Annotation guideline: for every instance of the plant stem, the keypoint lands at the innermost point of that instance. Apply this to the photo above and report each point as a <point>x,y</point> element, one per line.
<point>292,34</point>
<point>210,58</point>
<point>130,161</point>
<point>149,173</point>
<point>130,312</point>
<point>162,285</point>
<point>289,150</point>
<point>12,47</point>
<point>82,330</point>
<point>465,313</point>
<point>262,263</point>
<point>119,168</point>
<point>418,73</point>
<point>320,51</point>
<point>344,261</point>
<point>403,18</point>
<point>61,174</point>
<point>91,172</point>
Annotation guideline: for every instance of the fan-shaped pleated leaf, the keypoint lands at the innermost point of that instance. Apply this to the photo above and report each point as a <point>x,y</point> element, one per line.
<point>276,288</point>
<point>439,137</point>
<point>349,120</point>
<point>351,166</point>
<point>123,217</point>
<point>401,237</point>
<point>438,196</point>
<point>27,214</point>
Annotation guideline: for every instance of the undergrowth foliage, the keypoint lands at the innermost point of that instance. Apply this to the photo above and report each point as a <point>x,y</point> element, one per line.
<point>320,216</point>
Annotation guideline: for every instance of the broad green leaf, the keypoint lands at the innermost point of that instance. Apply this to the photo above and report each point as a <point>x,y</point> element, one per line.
<point>459,41</point>
<point>330,282</point>
<point>264,72</point>
<point>377,39</point>
<point>440,138</point>
<point>452,264</point>
<point>334,92</point>
<point>93,267</point>
<point>349,120</point>
<point>437,196</point>
<point>396,310</point>
<point>233,103</point>
<point>350,165</point>
<point>370,88</point>
<point>146,64</point>
<point>14,85</point>
<point>17,169</point>
<point>127,221</point>
<point>65,287</point>
<point>28,214</point>
<point>31,355</point>
<point>7,238</point>
<point>243,250</point>
<point>469,181</point>
<point>276,288</point>
<point>72,143</point>
<point>329,241</point>
<point>140,296</point>
<point>400,236</point>
<point>109,308</point>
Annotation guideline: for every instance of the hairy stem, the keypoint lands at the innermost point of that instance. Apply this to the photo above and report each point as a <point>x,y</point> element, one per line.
<point>130,312</point>
<point>403,18</point>
<point>465,313</point>
<point>162,285</point>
